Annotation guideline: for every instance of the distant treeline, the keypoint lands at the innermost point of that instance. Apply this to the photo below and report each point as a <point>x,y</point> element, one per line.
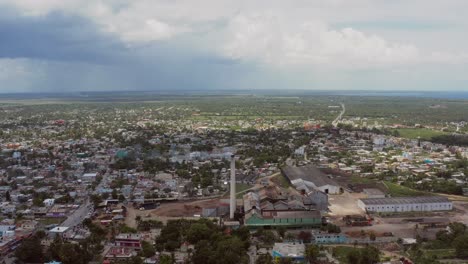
<point>459,140</point>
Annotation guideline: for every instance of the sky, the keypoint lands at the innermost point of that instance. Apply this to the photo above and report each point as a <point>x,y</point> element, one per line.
<point>108,45</point>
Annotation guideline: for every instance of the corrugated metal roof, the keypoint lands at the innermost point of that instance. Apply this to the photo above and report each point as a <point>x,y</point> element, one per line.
<point>308,173</point>
<point>405,200</point>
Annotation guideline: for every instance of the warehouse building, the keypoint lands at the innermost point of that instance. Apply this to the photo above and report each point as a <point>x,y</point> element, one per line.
<point>406,204</point>
<point>310,178</point>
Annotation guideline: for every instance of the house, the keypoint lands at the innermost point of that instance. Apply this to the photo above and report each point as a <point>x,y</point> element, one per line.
<point>294,251</point>
<point>310,177</point>
<point>7,230</point>
<point>49,202</point>
<point>89,177</point>
<point>120,254</point>
<point>128,240</point>
<point>58,231</point>
<point>329,238</point>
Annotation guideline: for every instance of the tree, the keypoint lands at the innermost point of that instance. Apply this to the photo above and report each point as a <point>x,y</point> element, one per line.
<point>264,259</point>
<point>114,194</point>
<point>166,259</point>
<point>71,254</point>
<point>367,255</point>
<point>197,232</point>
<point>312,253</point>
<point>147,250</point>
<point>268,237</point>
<point>354,256</point>
<point>54,249</point>
<point>461,246</point>
<point>370,255</point>
<point>231,251</point>
<point>30,251</point>
<point>281,231</point>
<point>203,252</point>
<point>304,236</point>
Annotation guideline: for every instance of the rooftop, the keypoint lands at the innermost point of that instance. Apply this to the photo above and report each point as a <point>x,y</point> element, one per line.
<point>405,200</point>
<point>128,236</point>
<point>59,229</point>
<point>308,173</point>
<point>289,250</point>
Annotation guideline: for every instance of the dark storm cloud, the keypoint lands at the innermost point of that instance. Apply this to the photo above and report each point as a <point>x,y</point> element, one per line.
<point>56,37</point>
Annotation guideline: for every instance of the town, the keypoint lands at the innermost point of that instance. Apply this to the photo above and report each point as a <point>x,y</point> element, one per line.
<point>237,179</point>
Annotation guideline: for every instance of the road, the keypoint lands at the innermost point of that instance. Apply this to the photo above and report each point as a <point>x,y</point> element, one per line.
<point>78,215</point>
<point>338,118</point>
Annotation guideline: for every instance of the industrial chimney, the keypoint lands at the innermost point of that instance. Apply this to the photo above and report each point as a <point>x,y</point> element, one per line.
<point>233,203</point>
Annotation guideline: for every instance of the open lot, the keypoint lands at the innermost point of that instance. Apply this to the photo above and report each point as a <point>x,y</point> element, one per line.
<point>344,204</point>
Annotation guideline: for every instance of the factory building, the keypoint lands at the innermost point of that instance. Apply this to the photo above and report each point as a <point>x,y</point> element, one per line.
<point>309,178</point>
<point>269,207</point>
<point>406,204</point>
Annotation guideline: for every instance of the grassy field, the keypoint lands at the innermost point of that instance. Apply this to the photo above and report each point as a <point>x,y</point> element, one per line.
<point>340,253</point>
<point>357,179</point>
<point>281,181</point>
<point>440,253</point>
<point>423,133</point>
<point>241,188</point>
<point>50,221</point>
<point>396,190</point>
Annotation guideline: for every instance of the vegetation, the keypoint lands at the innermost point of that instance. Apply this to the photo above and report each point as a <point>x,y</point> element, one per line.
<point>211,243</point>
<point>353,255</point>
<point>423,133</point>
<point>396,190</point>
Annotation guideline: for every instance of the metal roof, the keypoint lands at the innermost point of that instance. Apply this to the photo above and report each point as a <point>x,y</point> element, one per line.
<point>308,173</point>
<point>405,200</point>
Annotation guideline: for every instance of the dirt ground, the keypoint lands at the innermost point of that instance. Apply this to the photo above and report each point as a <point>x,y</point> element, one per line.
<point>344,204</point>
<point>168,211</point>
<point>184,209</point>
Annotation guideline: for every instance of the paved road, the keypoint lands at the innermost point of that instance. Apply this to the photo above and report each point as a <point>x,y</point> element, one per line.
<point>338,118</point>
<point>78,215</point>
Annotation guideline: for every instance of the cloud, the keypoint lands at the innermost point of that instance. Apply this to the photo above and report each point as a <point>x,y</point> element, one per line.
<point>162,44</point>
<point>267,38</point>
<point>57,37</point>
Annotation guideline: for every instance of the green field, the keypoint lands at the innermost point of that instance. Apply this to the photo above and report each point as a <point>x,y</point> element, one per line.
<point>423,133</point>
<point>363,180</point>
<point>281,181</point>
<point>440,253</point>
<point>396,190</point>
<point>341,252</point>
<point>51,221</point>
<point>241,188</point>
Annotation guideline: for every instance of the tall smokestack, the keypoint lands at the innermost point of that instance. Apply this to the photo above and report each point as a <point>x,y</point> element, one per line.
<point>233,204</point>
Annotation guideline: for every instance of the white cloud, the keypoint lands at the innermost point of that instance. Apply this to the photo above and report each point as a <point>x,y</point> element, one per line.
<point>273,32</point>
<point>270,39</point>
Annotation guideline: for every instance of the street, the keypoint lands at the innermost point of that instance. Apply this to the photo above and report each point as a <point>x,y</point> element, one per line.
<point>338,118</point>
<point>78,215</point>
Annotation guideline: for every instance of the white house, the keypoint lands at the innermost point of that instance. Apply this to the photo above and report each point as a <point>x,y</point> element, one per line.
<point>89,177</point>
<point>49,202</point>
